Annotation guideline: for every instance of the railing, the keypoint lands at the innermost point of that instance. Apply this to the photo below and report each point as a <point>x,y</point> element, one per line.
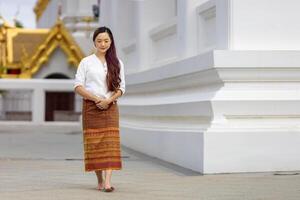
<point>25,100</point>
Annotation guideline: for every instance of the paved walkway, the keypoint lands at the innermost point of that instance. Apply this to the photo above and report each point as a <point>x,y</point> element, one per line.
<point>49,165</point>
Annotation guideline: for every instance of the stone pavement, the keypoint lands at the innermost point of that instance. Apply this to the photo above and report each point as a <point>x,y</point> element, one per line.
<point>48,165</point>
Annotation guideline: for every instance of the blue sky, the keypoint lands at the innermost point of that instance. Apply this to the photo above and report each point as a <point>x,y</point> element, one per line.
<point>9,8</point>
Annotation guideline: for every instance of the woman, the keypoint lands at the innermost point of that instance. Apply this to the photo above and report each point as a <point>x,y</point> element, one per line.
<point>100,81</point>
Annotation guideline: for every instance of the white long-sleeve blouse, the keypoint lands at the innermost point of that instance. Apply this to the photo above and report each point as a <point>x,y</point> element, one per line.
<point>91,74</point>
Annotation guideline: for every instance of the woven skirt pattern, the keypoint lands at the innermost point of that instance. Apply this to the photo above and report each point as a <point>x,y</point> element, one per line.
<point>101,137</point>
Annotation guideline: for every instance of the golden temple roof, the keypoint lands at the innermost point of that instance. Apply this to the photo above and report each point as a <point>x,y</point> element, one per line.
<point>25,51</point>
<point>24,42</point>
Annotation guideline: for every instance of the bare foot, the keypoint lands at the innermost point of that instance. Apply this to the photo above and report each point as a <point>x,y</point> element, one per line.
<point>100,186</point>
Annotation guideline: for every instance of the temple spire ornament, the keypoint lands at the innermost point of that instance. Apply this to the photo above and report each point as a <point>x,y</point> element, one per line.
<point>59,10</point>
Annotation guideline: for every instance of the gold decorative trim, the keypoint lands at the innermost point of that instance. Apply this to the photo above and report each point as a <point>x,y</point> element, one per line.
<point>10,76</point>
<point>11,33</point>
<point>3,40</point>
<point>57,37</point>
<point>40,7</point>
<point>5,23</point>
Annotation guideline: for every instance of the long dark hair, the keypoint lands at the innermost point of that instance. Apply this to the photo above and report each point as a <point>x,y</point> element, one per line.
<point>113,65</point>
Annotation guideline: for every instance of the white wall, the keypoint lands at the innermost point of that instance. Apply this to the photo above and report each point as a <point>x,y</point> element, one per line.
<point>57,63</point>
<point>123,26</point>
<point>49,16</point>
<point>265,24</point>
<point>194,100</point>
<point>85,7</point>
<point>70,7</point>
<point>136,29</point>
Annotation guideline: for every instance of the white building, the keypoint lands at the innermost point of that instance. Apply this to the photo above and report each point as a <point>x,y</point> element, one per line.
<point>212,85</point>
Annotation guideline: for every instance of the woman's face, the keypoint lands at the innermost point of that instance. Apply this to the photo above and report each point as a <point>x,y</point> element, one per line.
<point>102,42</point>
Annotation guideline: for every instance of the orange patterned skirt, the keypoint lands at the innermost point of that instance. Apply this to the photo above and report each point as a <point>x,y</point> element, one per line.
<point>101,137</point>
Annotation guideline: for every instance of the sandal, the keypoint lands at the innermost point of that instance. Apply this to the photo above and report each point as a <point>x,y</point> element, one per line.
<point>111,189</point>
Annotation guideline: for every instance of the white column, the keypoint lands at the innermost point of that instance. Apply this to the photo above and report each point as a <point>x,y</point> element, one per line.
<point>38,106</point>
<point>223,24</point>
<point>143,41</point>
<point>109,15</point>
<point>187,27</point>
<point>105,13</point>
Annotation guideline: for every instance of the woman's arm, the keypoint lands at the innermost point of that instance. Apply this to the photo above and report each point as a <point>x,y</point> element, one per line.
<point>115,96</point>
<point>86,94</point>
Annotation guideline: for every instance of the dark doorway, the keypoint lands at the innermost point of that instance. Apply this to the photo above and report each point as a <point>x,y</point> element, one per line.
<point>59,104</point>
<point>57,76</point>
<point>58,101</point>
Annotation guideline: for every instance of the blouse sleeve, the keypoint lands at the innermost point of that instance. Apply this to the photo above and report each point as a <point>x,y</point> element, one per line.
<point>122,77</point>
<point>80,76</point>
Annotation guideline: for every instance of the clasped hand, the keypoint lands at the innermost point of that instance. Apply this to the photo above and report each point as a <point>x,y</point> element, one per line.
<point>102,103</point>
